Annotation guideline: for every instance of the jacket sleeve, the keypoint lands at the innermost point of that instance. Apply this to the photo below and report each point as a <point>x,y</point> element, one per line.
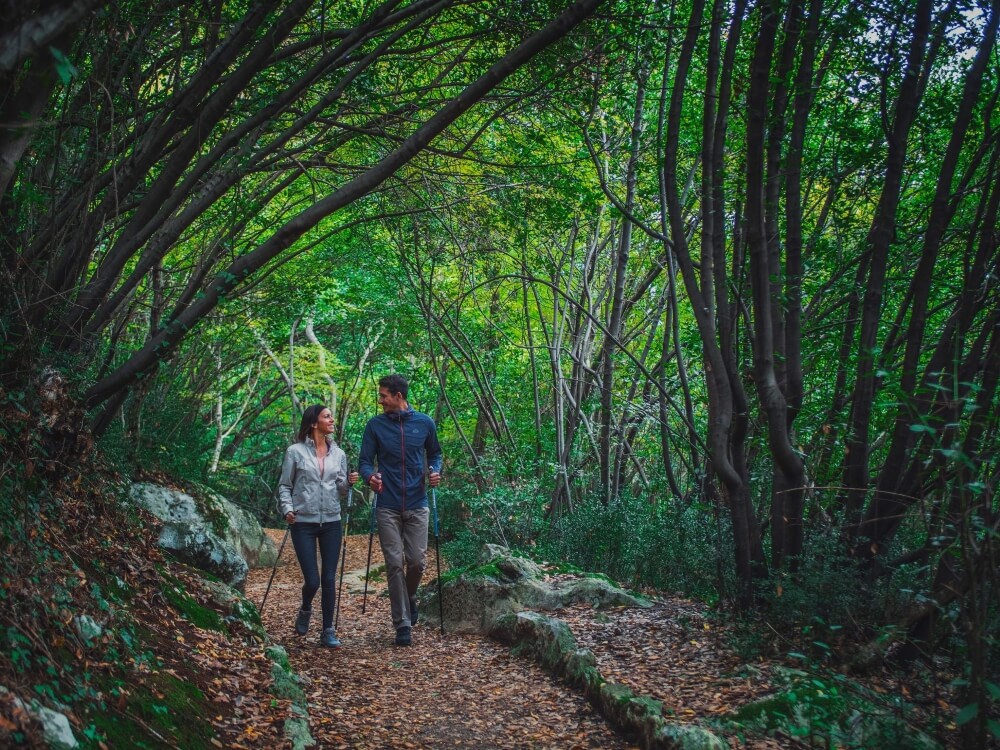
<point>285,483</point>
<point>433,448</point>
<point>366,456</point>
<point>343,485</point>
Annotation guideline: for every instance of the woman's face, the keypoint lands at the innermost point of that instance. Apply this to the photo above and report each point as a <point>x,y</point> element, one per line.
<point>324,422</point>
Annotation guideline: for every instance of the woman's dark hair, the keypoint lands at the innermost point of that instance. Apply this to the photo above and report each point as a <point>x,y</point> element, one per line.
<point>395,384</point>
<point>309,418</point>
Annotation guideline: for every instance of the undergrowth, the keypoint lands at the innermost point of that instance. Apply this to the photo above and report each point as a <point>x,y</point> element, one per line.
<point>91,613</point>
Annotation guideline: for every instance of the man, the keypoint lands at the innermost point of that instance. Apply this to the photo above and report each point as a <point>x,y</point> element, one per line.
<point>402,442</point>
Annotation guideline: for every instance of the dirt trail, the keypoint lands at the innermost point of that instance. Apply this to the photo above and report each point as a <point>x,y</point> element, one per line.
<point>450,691</point>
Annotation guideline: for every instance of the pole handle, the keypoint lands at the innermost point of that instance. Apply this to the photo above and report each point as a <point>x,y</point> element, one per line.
<point>434,507</point>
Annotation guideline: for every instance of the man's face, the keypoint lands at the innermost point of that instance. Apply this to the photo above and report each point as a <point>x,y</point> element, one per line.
<point>390,402</point>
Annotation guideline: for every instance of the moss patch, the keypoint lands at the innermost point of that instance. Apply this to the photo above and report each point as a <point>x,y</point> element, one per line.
<point>190,609</point>
<point>489,570</point>
<point>169,713</point>
<point>209,507</point>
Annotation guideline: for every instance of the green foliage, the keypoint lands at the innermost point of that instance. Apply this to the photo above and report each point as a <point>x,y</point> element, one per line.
<point>829,710</point>
<point>169,440</point>
<point>172,711</point>
<point>473,274</point>
<point>510,515</point>
<point>667,546</point>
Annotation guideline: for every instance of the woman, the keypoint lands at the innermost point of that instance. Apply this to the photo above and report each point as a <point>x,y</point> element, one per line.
<point>314,479</point>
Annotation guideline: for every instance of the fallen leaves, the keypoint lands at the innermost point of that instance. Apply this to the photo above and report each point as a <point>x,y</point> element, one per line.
<point>451,691</point>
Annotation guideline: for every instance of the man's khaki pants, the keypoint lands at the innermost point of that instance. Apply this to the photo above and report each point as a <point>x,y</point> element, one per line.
<point>403,537</point>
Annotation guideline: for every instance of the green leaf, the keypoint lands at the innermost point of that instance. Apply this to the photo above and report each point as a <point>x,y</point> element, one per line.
<point>993,689</point>
<point>967,714</point>
<point>66,70</point>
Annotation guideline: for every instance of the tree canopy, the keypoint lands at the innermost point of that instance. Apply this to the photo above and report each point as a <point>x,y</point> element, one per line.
<point>729,266</point>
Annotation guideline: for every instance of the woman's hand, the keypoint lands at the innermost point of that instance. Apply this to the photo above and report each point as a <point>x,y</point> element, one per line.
<point>290,517</point>
<point>353,477</point>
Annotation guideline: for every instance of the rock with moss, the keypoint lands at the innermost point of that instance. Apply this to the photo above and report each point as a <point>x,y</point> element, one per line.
<point>235,606</point>
<point>506,582</point>
<point>197,546</point>
<point>207,531</point>
<point>285,684</point>
<point>685,737</point>
<point>549,639</point>
<point>551,643</point>
<point>240,528</point>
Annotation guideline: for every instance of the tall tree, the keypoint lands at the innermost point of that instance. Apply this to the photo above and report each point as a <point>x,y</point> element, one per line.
<point>162,157</point>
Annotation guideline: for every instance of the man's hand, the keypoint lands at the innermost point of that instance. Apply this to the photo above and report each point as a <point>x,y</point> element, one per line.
<point>435,478</point>
<point>375,482</point>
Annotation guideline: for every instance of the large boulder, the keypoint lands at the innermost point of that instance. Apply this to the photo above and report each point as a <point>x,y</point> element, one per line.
<point>241,529</point>
<point>506,582</point>
<point>207,531</point>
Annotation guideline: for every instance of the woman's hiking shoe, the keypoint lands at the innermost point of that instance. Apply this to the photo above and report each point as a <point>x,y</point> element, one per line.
<point>403,636</point>
<point>302,621</point>
<point>329,638</point>
<point>413,611</point>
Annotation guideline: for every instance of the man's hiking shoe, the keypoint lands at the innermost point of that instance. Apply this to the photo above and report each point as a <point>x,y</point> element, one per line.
<point>403,636</point>
<point>329,638</point>
<point>302,621</point>
<point>413,611</point>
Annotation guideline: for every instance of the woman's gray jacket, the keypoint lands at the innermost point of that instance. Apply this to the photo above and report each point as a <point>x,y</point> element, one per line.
<point>314,499</point>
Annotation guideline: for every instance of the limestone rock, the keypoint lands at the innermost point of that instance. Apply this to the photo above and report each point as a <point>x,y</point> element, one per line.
<point>506,582</point>
<point>87,628</point>
<point>56,728</point>
<point>286,684</point>
<point>243,531</point>
<point>550,641</point>
<point>198,546</point>
<point>207,531</point>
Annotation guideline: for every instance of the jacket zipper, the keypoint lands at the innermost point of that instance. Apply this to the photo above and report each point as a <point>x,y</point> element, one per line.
<point>320,469</point>
<point>402,469</point>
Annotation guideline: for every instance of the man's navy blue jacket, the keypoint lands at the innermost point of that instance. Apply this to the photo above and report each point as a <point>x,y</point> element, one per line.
<point>397,440</point>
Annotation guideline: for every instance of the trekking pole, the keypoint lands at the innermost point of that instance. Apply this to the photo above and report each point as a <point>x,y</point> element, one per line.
<point>437,553</point>
<point>343,562</point>
<point>260,609</point>
<point>368,565</point>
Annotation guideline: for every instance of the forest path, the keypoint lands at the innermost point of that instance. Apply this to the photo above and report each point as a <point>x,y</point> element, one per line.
<point>444,691</point>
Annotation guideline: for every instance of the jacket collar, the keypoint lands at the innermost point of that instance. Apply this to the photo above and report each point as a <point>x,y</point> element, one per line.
<point>400,416</point>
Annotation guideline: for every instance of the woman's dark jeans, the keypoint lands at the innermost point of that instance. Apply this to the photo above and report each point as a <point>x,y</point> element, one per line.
<point>305,537</point>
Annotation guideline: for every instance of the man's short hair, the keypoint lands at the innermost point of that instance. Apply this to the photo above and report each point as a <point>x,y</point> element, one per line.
<point>394,384</point>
